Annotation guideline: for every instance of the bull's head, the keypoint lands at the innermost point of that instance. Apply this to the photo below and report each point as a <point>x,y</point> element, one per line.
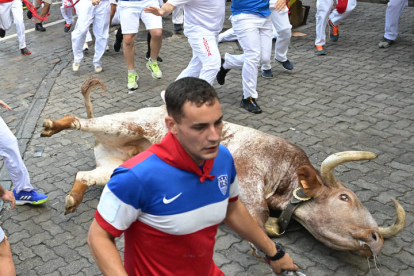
<point>335,216</point>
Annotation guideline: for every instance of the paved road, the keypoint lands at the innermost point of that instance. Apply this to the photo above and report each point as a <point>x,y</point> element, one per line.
<point>357,97</point>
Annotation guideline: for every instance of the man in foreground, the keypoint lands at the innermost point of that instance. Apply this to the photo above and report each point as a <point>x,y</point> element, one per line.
<point>170,199</point>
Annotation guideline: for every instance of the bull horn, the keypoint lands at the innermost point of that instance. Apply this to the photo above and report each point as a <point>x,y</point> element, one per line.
<point>329,164</point>
<point>398,226</point>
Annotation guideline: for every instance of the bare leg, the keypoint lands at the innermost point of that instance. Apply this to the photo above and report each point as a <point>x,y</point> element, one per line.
<point>155,44</point>
<point>6,259</point>
<point>45,10</point>
<point>129,49</point>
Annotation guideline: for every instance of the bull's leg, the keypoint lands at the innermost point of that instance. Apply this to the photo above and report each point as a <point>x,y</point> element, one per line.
<point>51,127</point>
<point>99,176</point>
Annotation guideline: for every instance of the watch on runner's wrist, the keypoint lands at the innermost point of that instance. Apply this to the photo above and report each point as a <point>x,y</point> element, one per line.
<point>279,254</point>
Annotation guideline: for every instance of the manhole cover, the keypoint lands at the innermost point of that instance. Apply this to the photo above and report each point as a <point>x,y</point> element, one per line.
<point>142,35</point>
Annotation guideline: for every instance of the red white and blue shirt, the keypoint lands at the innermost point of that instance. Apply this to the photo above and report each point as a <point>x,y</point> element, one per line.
<point>168,209</point>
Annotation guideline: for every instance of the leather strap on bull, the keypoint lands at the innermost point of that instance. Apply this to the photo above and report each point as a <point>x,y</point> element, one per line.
<point>298,197</point>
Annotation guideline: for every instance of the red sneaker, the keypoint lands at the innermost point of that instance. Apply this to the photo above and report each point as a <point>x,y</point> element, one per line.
<point>25,51</point>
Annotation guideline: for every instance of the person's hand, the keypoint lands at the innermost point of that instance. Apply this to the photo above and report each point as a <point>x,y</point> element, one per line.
<point>3,104</point>
<point>286,263</point>
<point>280,5</point>
<point>95,2</point>
<point>9,196</point>
<point>154,10</point>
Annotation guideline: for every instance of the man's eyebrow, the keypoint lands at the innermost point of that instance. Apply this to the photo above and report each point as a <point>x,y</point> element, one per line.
<point>204,124</point>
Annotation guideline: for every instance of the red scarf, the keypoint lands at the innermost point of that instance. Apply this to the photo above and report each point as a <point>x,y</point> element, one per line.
<point>171,152</point>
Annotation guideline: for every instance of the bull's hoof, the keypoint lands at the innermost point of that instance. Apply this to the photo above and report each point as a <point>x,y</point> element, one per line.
<point>272,227</point>
<point>70,204</point>
<point>47,128</point>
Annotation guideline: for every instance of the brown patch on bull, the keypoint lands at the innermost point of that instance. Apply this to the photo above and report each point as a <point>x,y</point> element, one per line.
<point>51,127</point>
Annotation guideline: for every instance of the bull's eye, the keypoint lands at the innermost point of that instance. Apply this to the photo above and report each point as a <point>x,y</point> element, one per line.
<point>344,197</point>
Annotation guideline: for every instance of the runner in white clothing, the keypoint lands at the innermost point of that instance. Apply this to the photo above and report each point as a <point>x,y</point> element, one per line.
<point>203,21</point>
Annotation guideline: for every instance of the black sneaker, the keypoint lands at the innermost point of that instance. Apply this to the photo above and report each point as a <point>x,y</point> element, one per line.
<point>67,27</point>
<point>118,40</point>
<point>39,27</point>
<point>29,14</point>
<point>147,57</point>
<point>178,28</point>
<point>2,33</point>
<point>250,105</point>
<point>221,75</point>
<point>267,74</point>
<point>385,43</point>
<point>286,64</point>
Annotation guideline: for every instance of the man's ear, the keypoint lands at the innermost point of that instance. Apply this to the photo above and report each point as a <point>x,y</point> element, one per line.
<point>171,125</point>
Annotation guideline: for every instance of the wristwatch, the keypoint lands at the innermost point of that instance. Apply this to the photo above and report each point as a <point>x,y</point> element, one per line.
<point>280,252</point>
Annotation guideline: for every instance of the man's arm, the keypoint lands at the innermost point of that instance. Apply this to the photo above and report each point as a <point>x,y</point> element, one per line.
<point>104,251</point>
<point>164,11</point>
<point>3,104</point>
<point>239,219</point>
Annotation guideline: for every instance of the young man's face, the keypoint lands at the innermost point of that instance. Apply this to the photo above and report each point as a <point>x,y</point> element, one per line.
<point>199,131</point>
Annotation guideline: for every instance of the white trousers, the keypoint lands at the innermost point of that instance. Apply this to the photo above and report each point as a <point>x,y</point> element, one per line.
<point>98,16</point>
<point>255,37</point>
<point>1,235</point>
<point>323,13</point>
<point>9,149</point>
<point>178,15</point>
<point>206,60</point>
<point>392,16</point>
<point>15,8</point>
<point>67,13</point>
<point>283,29</point>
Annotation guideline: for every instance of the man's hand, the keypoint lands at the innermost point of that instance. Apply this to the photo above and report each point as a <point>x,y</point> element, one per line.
<point>96,2</point>
<point>154,10</point>
<point>3,104</point>
<point>9,196</point>
<point>286,263</point>
<point>280,5</point>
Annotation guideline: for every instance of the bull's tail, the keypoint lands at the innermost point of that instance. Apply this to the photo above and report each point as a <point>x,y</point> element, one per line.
<point>86,90</point>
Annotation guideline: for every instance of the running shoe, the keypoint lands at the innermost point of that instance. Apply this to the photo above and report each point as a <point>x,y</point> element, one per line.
<point>250,105</point>
<point>67,27</point>
<point>267,74</point>
<point>29,14</point>
<point>178,28</point>
<point>319,50</point>
<point>133,81</point>
<point>98,69</point>
<point>147,57</point>
<point>155,69</point>
<point>333,31</point>
<point>75,67</point>
<point>385,43</point>
<point>31,197</point>
<point>2,33</point>
<point>286,64</point>
<point>25,51</point>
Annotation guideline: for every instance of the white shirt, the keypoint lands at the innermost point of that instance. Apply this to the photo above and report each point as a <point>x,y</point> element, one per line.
<point>202,17</point>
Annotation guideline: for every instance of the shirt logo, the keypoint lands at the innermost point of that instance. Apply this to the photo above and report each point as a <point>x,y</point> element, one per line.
<point>223,183</point>
<point>168,201</point>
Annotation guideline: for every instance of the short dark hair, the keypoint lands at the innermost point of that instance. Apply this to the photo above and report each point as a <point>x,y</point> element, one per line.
<point>193,90</point>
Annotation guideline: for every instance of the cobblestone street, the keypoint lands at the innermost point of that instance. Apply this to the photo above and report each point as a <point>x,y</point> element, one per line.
<point>357,97</point>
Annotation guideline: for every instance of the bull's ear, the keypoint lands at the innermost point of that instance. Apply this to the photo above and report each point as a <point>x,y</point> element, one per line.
<point>308,179</point>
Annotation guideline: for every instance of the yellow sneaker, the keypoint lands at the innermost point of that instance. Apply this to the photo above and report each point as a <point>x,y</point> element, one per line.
<point>155,69</point>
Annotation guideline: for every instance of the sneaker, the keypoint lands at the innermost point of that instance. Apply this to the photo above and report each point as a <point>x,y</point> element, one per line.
<point>147,57</point>
<point>75,67</point>
<point>267,74</point>
<point>25,51</point>
<point>67,27</point>
<point>250,105</point>
<point>98,69</point>
<point>39,27</point>
<point>286,64</point>
<point>133,81</point>
<point>385,42</point>
<point>333,31</point>
<point>29,14</point>
<point>2,33</point>
<point>31,197</point>
<point>319,50</point>
<point>117,45</point>
<point>155,69</point>
<point>24,6</point>
<point>107,48</point>
<point>221,75</point>
<point>86,46</point>
<point>178,27</point>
